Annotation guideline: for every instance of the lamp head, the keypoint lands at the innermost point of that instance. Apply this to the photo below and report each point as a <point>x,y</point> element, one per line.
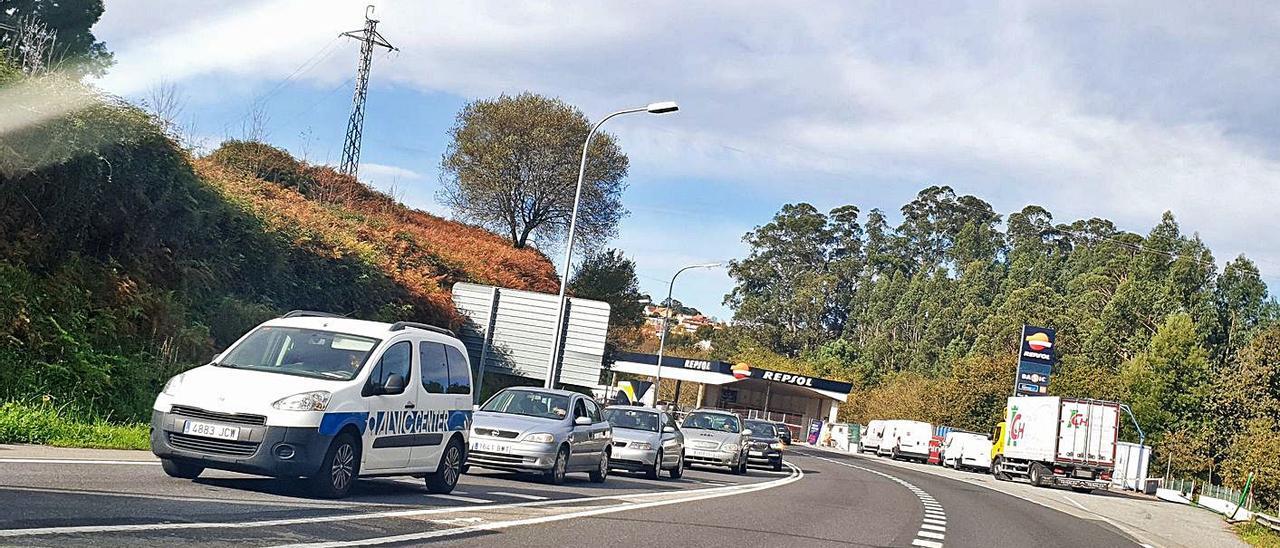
<point>662,107</point>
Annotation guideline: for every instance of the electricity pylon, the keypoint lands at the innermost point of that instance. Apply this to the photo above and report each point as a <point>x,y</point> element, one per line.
<point>368,37</point>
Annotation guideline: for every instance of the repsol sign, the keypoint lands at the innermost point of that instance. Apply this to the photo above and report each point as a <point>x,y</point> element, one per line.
<point>788,378</point>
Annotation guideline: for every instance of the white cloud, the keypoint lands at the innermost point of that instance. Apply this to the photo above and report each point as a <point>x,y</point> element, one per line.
<point>1110,110</point>
<point>381,171</point>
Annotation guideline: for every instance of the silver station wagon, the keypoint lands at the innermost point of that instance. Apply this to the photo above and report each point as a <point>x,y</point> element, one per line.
<point>716,438</point>
<point>645,440</point>
<point>550,432</point>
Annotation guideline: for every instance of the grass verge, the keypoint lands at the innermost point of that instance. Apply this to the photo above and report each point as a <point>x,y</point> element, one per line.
<point>48,425</point>
<point>1257,535</point>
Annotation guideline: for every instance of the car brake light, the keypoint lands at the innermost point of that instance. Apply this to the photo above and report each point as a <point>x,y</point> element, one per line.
<point>1106,476</point>
<point>1058,472</point>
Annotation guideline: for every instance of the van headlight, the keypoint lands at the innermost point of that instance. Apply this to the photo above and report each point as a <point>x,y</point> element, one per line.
<point>171,385</point>
<point>641,445</point>
<point>306,401</point>
<point>541,437</point>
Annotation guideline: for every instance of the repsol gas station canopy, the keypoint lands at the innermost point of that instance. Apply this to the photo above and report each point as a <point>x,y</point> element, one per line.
<point>714,372</point>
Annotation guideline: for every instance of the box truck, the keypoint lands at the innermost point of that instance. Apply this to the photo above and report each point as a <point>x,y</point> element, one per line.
<point>1057,441</point>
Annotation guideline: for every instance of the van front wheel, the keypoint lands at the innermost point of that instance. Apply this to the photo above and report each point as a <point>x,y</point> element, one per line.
<point>181,470</point>
<point>338,470</point>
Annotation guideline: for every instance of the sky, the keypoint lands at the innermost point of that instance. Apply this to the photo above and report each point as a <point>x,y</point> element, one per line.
<point>1089,109</point>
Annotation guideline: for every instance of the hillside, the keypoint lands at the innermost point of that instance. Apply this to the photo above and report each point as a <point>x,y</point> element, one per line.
<point>124,259</point>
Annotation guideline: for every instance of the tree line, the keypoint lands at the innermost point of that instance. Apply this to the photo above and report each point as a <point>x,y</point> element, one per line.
<point>924,317</point>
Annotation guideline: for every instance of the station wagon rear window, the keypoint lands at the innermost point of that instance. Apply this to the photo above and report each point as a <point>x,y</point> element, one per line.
<point>712,421</point>
<point>303,352</point>
<point>529,403</point>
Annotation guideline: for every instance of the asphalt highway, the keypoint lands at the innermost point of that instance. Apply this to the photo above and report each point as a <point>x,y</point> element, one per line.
<point>823,499</point>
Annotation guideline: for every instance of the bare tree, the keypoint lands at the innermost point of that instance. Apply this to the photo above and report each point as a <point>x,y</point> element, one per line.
<point>165,102</point>
<point>254,125</point>
<point>29,45</point>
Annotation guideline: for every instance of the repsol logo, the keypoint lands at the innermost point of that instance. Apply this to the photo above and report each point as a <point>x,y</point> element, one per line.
<point>697,364</point>
<point>798,380</point>
<point>1037,355</point>
<point>409,421</point>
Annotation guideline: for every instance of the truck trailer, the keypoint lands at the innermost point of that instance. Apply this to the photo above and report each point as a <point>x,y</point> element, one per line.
<point>1057,441</point>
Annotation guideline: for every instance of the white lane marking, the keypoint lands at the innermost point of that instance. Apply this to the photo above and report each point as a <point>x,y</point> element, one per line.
<point>932,510</point>
<point>932,521</point>
<point>80,529</point>
<point>470,500</point>
<point>797,474</point>
<point>516,495</point>
<point>79,461</point>
<point>213,500</point>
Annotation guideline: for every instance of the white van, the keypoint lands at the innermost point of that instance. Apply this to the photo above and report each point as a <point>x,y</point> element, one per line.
<point>325,398</point>
<point>885,448</point>
<point>953,446</point>
<point>910,440</point>
<point>870,440</point>
<point>975,454</point>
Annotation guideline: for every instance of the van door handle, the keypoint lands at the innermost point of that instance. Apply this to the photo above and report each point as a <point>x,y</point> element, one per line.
<point>409,405</point>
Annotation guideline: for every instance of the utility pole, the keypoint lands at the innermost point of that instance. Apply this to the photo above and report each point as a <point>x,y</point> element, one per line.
<point>368,37</point>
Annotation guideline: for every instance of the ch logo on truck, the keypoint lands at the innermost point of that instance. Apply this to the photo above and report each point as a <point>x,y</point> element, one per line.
<point>1078,420</point>
<point>1017,427</point>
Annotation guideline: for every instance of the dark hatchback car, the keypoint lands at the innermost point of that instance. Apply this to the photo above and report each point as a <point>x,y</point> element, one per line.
<point>765,447</point>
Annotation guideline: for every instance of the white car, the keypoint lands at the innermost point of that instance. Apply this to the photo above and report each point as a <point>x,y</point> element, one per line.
<point>325,398</point>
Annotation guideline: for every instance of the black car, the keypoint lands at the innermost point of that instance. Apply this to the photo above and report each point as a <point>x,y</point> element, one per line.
<point>784,433</point>
<point>764,447</point>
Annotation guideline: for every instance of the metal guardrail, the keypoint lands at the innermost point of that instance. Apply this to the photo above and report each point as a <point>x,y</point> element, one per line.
<point>1267,521</point>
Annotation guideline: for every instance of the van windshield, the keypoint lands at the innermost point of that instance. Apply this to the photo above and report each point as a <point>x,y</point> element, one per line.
<point>304,352</point>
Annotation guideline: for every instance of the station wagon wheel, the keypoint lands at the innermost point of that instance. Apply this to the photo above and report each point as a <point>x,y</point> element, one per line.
<point>679,469</point>
<point>447,472</point>
<point>556,474</point>
<point>602,471</point>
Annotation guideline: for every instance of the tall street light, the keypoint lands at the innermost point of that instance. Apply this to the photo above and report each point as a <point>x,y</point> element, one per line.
<point>662,339</point>
<point>553,361</point>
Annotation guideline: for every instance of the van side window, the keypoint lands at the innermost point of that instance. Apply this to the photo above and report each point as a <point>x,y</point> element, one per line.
<point>435,368</point>
<point>395,360</point>
<point>459,372</point>
<point>579,410</point>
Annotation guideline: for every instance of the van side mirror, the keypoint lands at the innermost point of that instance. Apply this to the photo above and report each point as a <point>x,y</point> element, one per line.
<point>394,384</point>
<point>582,421</point>
<point>668,429</point>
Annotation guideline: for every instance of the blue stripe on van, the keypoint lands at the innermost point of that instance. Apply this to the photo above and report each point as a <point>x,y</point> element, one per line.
<point>331,423</point>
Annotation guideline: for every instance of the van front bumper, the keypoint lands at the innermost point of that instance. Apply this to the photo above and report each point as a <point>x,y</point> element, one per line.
<point>279,451</point>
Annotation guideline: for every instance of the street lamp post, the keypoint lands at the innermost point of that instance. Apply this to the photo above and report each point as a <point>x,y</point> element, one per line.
<point>553,361</point>
<point>662,338</point>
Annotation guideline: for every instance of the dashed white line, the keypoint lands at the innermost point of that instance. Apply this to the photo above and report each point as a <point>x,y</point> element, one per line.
<point>516,495</point>
<point>926,543</point>
<point>471,500</point>
<point>79,461</point>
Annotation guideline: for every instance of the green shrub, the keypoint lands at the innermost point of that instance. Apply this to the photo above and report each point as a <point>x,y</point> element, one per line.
<point>43,423</point>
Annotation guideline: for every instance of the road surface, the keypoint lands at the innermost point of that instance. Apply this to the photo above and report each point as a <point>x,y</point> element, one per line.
<point>823,499</point>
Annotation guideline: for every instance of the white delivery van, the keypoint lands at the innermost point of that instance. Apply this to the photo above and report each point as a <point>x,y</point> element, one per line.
<point>325,398</point>
<point>886,438</point>
<point>1057,441</point>
<point>953,446</point>
<point>910,440</point>
<point>870,440</point>
<point>975,454</point>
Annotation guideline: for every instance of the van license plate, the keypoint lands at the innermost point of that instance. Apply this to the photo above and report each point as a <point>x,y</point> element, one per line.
<point>210,430</point>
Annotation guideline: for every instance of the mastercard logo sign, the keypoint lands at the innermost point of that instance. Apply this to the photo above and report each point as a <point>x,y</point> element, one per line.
<point>1039,342</point>
<point>741,371</point>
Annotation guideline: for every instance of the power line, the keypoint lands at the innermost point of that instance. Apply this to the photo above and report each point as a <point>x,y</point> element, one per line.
<point>369,37</point>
